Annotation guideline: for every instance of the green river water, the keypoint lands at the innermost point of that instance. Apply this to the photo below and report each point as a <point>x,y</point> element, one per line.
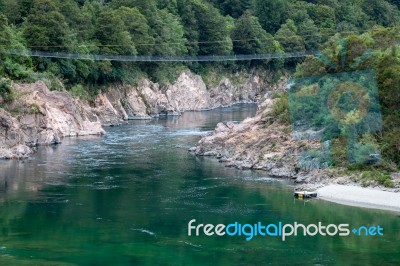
<point>126,199</point>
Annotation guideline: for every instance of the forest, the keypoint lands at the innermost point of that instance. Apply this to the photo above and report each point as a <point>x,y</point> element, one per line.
<point>170,28</point>
<point>198,28</point>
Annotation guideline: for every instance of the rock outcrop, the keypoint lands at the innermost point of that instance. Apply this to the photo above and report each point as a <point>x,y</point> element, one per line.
<point>41,117</point>
<point>258,143</point>
<point>12,144</point>
<point>188,93</point>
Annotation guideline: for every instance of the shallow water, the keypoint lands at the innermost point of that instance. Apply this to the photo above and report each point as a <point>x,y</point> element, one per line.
<point>126,199</point>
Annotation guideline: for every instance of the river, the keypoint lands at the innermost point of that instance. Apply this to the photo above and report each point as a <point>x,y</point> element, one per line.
<point>126,199</point>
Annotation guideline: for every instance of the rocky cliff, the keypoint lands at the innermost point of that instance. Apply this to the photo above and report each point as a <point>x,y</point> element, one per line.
<point>41,117</point>
<point>188,93</point>
<point>38,116</point>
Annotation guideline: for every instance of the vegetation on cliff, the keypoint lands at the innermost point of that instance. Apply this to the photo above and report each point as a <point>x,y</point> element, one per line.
<point>375,51</point>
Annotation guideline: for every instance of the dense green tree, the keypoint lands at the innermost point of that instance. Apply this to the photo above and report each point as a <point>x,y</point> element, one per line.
<point>351,16</point>
<point>166,28</point>
<point>213,30</point>
<point>81,22</point>
<point>114,39</point>
<point>4,33</point>
<point>170,5</point>
<point>288,37</point>
<point>250,38</point>
<point>381,12</point>
<point>16,14</point>
<point>16,67</point>
<point>270,13</point>
<point>323,16</point>
<point>46,28</point>
<point>12,10</point>
<point>389,82</point>
<point>233,8</point>
<point>112,35</point>
<point>310,34</point>
<point>188,16</point>
<point>136,24</point>
<point>389,93</point>
<point>298,11</point>
<point>331,3</point>
<point>395,2</point>
<point>147,7</point>
<point>89,10</point>
<point>170,35</point>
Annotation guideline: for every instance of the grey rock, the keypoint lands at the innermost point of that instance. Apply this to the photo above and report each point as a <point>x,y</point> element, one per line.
<point>44,118</point>
<point>210,153</point>
<point>189,93</point>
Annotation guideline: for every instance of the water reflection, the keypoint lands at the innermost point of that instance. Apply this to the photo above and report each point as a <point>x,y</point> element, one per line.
<point>30,174</point>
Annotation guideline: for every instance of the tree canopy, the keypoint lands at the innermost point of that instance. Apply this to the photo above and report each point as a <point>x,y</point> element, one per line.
<point>171,28</point>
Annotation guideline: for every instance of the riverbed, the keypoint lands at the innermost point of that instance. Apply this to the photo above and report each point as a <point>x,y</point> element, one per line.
<point>126,199</point>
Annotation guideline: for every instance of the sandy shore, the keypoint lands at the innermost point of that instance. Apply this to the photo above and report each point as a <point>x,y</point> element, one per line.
<point>361,197</point>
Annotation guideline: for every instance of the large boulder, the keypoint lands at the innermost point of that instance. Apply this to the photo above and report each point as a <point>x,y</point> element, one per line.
<point>12,138</point>
<point>188,93</point>
<point>41,117</point>
<point>54,114</point>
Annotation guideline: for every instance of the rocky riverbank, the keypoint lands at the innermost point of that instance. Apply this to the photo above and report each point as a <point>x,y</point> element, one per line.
<point>264,143</point>
<point>256,143</point>
<point>38,116</point>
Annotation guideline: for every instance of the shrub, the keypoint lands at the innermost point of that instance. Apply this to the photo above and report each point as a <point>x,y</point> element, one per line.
<point>280,110</point>
<point>33,109</point>
<point>382,178</point>
<point>388,183</point>
<point>6,92</point>
<point>79,92</point>
<point>339,152</point>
